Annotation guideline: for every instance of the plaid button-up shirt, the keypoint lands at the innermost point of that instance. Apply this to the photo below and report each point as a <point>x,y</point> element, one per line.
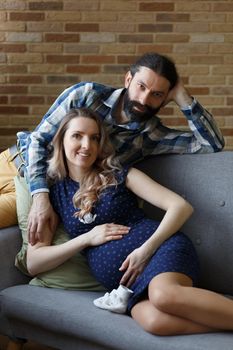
<point>133,141</point>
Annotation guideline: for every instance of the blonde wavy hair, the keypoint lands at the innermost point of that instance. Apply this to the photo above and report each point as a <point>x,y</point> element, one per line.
<point>101,175</point>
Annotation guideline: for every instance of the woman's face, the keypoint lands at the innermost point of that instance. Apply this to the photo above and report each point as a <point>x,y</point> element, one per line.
<point>81,145</point>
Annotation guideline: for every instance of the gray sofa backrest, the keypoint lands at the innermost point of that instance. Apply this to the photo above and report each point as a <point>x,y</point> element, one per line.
<point>206,181</point>
<point>10,244</point>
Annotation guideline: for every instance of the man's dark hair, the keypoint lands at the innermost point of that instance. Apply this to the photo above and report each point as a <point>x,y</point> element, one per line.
<point>160,64</point>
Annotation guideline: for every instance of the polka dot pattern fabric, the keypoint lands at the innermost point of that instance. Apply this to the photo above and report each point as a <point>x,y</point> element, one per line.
<point>119,205</point>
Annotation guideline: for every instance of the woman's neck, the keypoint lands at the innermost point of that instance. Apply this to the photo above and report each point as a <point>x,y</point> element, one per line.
<point>76,175</point>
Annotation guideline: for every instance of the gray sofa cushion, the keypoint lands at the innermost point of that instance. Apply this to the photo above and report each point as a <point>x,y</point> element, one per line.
<point>54,312</point>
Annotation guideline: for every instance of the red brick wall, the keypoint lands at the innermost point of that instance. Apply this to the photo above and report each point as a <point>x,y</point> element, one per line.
<point>46,46</point>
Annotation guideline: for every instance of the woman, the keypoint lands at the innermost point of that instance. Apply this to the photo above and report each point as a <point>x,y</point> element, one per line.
<point>95,199</point>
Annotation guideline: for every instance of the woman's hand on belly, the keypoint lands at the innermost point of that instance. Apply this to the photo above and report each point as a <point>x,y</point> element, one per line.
<point>107,232</point>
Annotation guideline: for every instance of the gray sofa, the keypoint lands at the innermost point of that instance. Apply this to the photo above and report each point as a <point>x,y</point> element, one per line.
<point>68,319</point>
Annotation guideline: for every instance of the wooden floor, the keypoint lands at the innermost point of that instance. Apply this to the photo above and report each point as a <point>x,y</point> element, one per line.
<point>27,346</point>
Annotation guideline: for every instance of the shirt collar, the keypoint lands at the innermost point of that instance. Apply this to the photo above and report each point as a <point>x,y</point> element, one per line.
<point>111,100</point>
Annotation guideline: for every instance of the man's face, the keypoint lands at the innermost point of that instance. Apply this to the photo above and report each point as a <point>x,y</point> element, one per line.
<point>145,94</point>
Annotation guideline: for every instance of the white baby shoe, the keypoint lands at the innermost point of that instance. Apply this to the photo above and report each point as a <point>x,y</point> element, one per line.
<point>116,301</point>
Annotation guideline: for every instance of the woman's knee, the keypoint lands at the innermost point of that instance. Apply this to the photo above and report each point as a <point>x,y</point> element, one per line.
<point>165,293</point>
<point>166,298</point>
<point>162,298</point>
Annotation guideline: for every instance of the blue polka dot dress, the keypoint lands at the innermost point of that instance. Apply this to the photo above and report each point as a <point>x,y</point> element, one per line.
<point>119,205</point>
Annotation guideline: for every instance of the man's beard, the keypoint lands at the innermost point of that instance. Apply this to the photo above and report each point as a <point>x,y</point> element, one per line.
<point>136,115</point>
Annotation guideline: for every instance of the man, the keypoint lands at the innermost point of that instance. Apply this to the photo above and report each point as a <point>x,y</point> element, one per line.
<point>130,116</point>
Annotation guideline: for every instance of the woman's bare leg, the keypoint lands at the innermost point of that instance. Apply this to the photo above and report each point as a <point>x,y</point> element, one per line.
<point>172,293</point>
<point>157,322</point>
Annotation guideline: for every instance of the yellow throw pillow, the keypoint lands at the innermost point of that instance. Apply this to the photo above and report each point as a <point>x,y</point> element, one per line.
<point>73,274</point>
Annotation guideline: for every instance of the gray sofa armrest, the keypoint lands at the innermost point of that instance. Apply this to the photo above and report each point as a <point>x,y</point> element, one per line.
<point>10,244</point>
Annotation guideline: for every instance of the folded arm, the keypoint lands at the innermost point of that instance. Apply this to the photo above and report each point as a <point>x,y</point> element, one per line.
<point>204,135</point>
